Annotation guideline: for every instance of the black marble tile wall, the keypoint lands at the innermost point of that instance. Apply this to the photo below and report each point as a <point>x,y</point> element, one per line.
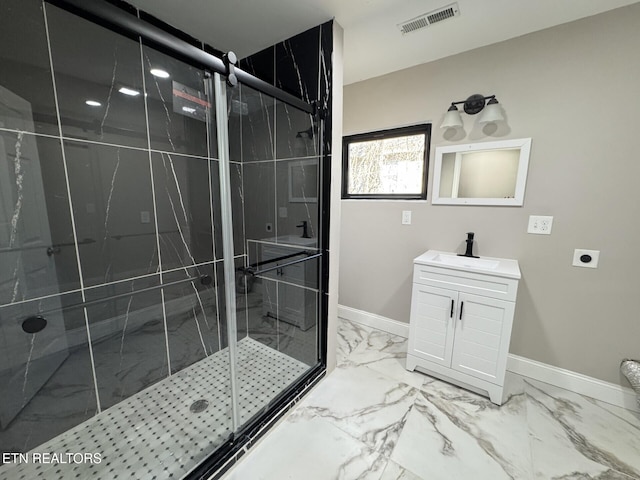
<point>193,324</point>
<point>261,64</point>
<point>46,376</point>
<point>281,196</point>
<point>296,132</point>
<point>37,249</point>
<point>113,210</point>
<point>128,338</point>
<point>214,168</point>
<point>297,64</point>
<point>183,209</point>
<point>326,81</point>
<point>298,339</point>
<point>262,311</point>
<point>297,193</point>
<point>237,206</point>
<point>178,104</point>
<point>124,195</point>
<point>26,91</point>
<point>243,287</point>
<point>257,112</point>
<point>259,199</point>
<point>104,67</point>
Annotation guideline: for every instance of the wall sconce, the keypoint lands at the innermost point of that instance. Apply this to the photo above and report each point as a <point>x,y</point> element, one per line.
<point>300,144</point>
<point>473,105</point>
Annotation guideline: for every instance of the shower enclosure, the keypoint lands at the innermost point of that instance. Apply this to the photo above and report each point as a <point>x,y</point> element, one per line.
<point>163,245</point>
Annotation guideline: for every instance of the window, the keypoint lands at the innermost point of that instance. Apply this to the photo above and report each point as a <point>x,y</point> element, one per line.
<point>388,164</point>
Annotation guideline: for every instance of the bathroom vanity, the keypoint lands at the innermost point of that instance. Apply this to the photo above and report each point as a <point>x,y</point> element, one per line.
<point>296,299</point>
<point>461,317</point>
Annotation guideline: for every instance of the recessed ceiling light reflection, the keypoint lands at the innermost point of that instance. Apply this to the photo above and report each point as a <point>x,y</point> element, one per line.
<point>188,109</point>
<point>158,72</point>
<point>93,103</point>
<point>129,91</point>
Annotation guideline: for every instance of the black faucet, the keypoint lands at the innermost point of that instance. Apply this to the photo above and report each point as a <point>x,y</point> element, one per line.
<point>305,229</point>
<point>469,252</point>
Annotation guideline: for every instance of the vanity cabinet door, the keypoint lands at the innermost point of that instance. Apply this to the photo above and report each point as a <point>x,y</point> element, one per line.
<point>433,311</point>
<point>482,333</point>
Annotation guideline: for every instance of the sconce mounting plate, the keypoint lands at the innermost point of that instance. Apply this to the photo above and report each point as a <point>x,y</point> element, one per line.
<point>474,104</point>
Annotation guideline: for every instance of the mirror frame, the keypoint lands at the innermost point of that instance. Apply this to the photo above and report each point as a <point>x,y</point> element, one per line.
<point>524,144</point>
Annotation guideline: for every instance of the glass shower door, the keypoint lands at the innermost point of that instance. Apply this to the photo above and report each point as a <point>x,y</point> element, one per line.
<point>185,227</point>
<point>274,177</point>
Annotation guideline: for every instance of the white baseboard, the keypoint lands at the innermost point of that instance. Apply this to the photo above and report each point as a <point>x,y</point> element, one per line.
<point>559,377</point>
<point>575,382</point>
<point>374,321</point>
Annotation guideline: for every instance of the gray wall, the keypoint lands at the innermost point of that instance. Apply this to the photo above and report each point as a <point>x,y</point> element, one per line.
<point>574,90</point>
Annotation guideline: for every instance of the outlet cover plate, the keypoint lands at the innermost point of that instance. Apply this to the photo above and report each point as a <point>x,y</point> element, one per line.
<point>406,217</point>
<point>540,224</point>
<point>581,258</point>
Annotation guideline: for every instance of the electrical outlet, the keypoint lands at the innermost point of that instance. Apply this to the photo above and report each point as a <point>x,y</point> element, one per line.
<point>585,258</point>
<point>406,217</point>
<point>540,225</point>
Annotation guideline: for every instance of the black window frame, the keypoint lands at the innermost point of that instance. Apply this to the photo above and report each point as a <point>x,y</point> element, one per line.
<point>424,128</point>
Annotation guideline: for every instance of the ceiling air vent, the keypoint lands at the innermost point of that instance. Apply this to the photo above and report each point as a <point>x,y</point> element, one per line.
<point>429,18</point>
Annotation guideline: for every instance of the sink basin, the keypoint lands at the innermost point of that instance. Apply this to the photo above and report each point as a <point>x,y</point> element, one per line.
<point>499,267</point>
<point>469,262</point>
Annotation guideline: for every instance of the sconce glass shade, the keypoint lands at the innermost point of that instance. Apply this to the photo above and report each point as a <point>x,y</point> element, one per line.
<point>452,118</point>
<point>300,144</point>
<point>492,112</point>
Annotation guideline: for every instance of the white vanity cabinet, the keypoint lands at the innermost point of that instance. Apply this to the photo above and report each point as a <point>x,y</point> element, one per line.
<point>296,299</point>
<point>461,318</point>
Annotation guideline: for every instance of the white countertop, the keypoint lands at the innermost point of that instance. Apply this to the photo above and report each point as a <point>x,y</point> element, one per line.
<point>295,240</point>
<point>499,267</point>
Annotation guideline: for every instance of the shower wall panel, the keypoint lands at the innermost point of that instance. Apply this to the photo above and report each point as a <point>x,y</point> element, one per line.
<point>109,188</point>
<point>282,153</point>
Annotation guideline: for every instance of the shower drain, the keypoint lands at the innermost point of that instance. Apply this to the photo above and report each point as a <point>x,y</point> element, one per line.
<point>199,406</point>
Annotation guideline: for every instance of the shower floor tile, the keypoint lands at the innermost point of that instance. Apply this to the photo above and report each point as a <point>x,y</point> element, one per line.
<point>161,431</point>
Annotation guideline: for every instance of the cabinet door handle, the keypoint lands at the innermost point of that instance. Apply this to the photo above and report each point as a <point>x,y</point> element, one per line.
<point>451,314</point>
<point>461,307</point>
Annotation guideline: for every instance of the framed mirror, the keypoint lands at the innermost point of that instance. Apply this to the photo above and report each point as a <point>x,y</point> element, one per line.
<point>303,181</point>
<point>488,173</point>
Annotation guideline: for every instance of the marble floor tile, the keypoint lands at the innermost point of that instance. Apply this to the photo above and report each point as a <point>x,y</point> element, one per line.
<point>575,437</point>
<point>393,471</point>
<point>453,433</point>
<point>386,354</point>
<point>374,412</point>
<point>350,335</point>
<point>309,449</point>
<point>411,426</point>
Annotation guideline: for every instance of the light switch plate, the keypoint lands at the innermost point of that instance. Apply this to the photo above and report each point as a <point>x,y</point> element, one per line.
<point>145,216</point>
<point>540,225</point>
<point>282,212</point>
<point>406,217</point>
<point>585,258</point>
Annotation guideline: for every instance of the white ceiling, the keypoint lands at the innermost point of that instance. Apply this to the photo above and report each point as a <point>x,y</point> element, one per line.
<point>373,45</point>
